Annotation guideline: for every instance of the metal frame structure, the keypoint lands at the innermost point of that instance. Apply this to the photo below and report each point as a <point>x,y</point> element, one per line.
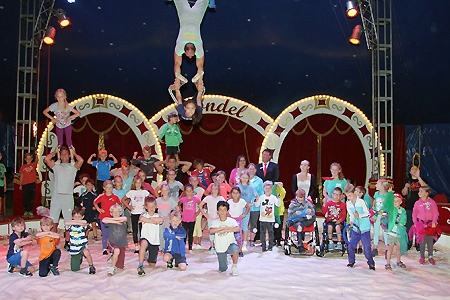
<point>33,19</point>
<point>377,26</point>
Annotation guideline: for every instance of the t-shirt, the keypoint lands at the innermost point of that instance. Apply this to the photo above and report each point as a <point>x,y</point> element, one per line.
<point>105,203</point>
<point>171,135</point>
<point>126,183</point>
<point>78,238</point>
<point>150,231</point>
<point>60,115</point>
<point>334,211</point>
<point>28,172</point>
<point>64,178</point>
<point>257,184</point>
<point>120,193</point>
<point>223,240</point>
<point>2,174</point>
<point>248,193</point>
<point>363,222</point>
<point>174,188</point>
<point>145,164</point>
<point>47,245</point>
<point>189,208</point>
<point>330,185</point>
<point>378,201</point>
<point>236,209</point>
<point>165,207</point>
<point>211,205</point>
<point>198,192</point>
<point>118,234</point>
<point>204,177</point>
<point>225,188</point>
<point>137,199</point>
<point>13,248</point>
<point>103,168</point>
<point>413,193</point>
<point>86,200</point>
<point>267,210</point>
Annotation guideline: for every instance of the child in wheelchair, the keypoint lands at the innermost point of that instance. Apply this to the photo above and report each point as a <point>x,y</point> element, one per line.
<point>335,212</point>
<point>301,214</point>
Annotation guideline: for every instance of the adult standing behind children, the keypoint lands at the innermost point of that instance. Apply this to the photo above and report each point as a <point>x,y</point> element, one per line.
<point>337,181</point>
<point>62,194</point>
<point>304,180</point>
<point>145,162</point>
<point>267,170</point>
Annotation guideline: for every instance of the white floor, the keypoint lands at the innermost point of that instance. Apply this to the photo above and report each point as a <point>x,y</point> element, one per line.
<point>270,275</point>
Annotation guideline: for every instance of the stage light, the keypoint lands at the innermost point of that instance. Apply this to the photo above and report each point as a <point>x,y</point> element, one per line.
<point>71,1</point>
<point>355,38</point>
<point>63,20</point>
<point>49,36</point>
<point>352,11</point>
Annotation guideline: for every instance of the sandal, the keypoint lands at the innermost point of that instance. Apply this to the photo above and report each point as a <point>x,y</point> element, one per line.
<point>388,267</point>
<point>401,265</point>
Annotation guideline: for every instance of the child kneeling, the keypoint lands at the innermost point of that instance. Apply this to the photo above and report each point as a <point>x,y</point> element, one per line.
<point>175,247</point>
<point>48,240</point>
<point>225,242</point>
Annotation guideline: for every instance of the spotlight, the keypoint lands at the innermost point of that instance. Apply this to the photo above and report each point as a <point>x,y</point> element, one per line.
<point>354,39</point>
<point>49,36</point>
<point>71,1</point>
<point>63,20</point>
<point>352,11</point>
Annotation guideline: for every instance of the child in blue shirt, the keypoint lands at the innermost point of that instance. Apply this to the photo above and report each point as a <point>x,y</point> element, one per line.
<point>17,256</point>
<point>175,247</point>
<point>103,166</point>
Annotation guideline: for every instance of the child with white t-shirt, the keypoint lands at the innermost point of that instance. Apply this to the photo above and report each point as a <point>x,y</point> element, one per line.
<point>225,242</point>
<point>267,214</point>
<point>211,214</point>
<point>237,206</point>
<point>134,201</point>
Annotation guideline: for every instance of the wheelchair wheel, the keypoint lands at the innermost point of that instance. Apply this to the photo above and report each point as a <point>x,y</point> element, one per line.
<point>287,250</point>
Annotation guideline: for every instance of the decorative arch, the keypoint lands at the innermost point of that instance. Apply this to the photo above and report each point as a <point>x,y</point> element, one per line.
<point>321,104</point>
<point>103,103</point>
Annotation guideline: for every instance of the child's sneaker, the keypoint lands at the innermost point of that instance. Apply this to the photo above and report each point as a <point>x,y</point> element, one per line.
<point>54,270</point>
<point>422,260</point>
<point>141,271</point>
<point>91,270</point>
<point>252,244</point>
<point>244,247</point>
<point>25,273</point>
<point>234,271</point>
<point>375,252</point>
<point>30,214</point>
<point>388,267</point>
<point>10,269</point>
<point>372,267</point>
<point>351,265</point>
<point>401,265</point>
<point>330,246</point>
<point>360,250</point>
<point>137,249</point>
<point>212,250</point>
<point>109,260</point>
<point>339,246</point>
<point>112,271</point>
<point>170,264</point>
<point>431,261</point>
<point>105,252</point>
<point>241,254</point>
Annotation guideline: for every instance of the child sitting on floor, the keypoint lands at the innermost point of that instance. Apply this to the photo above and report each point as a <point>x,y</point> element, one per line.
<point>17,256</point>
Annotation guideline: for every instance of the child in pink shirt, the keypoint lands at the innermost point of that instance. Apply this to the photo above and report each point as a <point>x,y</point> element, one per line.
<point>190,213</point>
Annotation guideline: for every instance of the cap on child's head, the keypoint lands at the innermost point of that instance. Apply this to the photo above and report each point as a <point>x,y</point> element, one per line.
<point>102,151</point>
<point>172,115</point>
<point>106,182</point>
<point>397,195</point>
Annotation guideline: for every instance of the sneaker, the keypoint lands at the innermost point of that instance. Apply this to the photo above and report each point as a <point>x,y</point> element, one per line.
<point>66,246</point>
<point>330,246</point>
<point>234,271</point>
<point>422,260</point>
<point>351,265</point>
<point>241,254</point>
<point>183,79</point>
<point>212,250</point>
<point>10,269</point>
<point>401,265</point>
<point>197,247</point>
<point>30,214</point>
<point>270,249</point>
<point>141,271</point>
<point>170,264</point>
<point>54,270</point>
<point>112,271</point>
<point>372,267</point>
<point>388,267</point>
<point>105,252</point>
<point>431,261</point>
<point>197,76</point>
<point>91,270</point>
<point>360,250</point>
<point>252,244</point>
<point>25,214</point>
<point>244,247</point>
<point>25,273</point>
<point>264,249</point>
<point>339,246</point>
<point>374,252</point>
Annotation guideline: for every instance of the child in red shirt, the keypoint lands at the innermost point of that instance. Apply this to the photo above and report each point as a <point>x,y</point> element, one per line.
<point>335,212</point>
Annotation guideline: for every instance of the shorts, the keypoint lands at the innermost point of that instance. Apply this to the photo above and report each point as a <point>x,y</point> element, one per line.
<point>61,203</point>
<point>172,150</point>
<point>76,260</point>
<point>152,251</point>
<point>222,256</point>
<point>14,260</point>
<point>245,221</point>
<point>392,240</point>
<point>198,226</point>
<point>2,192</point>
<point>254,219</point>
<point>178,258</point>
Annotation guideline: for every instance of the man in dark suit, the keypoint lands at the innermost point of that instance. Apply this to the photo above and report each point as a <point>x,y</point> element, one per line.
<point>267,170</point>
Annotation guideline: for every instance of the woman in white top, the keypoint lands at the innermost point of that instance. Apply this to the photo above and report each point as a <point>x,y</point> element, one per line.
<point>304,180</point>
